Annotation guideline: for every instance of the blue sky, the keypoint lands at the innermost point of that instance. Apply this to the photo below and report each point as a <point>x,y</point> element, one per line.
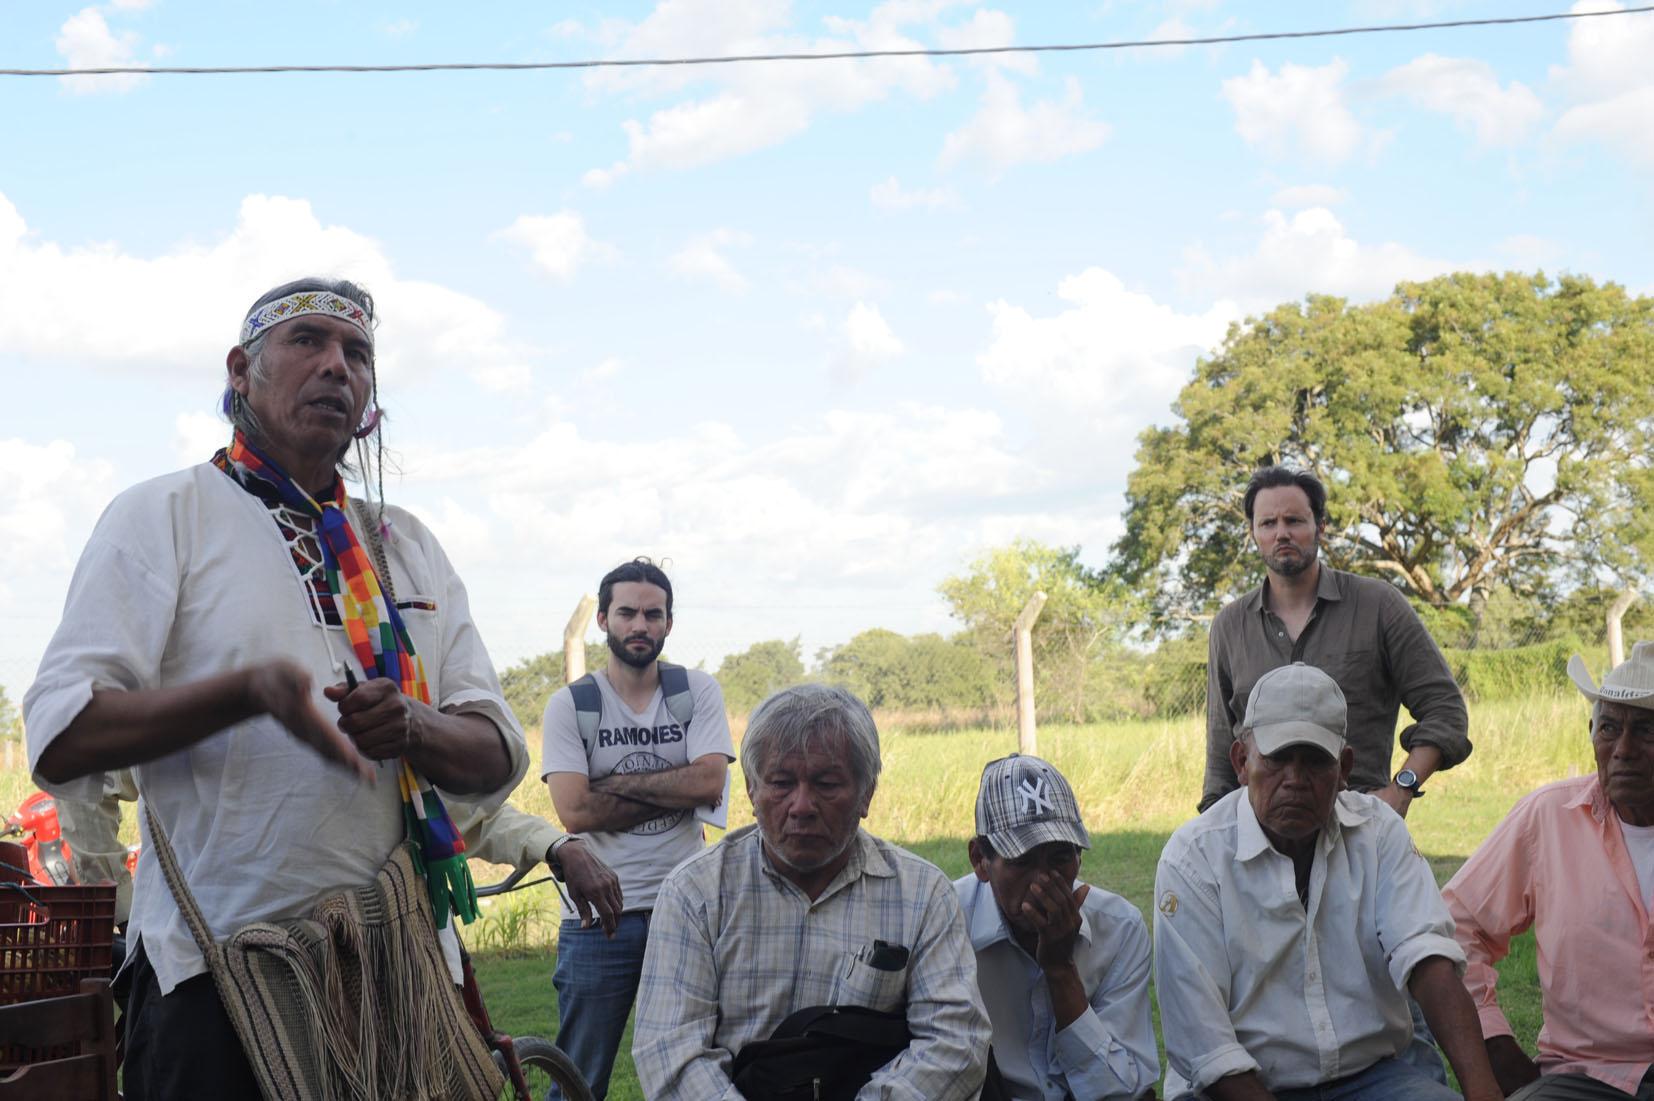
<point>818,333</point>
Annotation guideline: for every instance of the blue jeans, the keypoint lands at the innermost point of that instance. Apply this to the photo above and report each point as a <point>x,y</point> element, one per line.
<point>1422,1053</point>
<point>1385,1080</point>
<point>596,981</point>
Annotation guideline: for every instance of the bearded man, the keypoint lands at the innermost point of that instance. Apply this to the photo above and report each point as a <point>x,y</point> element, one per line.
<point>634,756</point>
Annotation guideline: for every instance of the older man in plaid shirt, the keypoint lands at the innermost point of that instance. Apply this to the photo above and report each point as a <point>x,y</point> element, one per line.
<point>788,914</point>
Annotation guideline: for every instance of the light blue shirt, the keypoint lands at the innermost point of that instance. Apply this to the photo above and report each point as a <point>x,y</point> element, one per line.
<point>1108,1051</point>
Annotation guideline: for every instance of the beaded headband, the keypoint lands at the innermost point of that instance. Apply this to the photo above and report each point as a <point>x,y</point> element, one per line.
<point>301,303</point>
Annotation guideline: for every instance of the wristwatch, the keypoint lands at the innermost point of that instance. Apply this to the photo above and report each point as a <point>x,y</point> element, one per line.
<point>1409,780</point>
<point>552,860</point>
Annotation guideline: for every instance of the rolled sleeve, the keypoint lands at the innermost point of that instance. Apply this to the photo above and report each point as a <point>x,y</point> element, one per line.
<point>505,836</point>
<point>1425,683</point>
<point>1191,973</point>
<point>1413,922</point>
<point>117,619</point>
<point>948,1055</point>
<point>673,1040</point>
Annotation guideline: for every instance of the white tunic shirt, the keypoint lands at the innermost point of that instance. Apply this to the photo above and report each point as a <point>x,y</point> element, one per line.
<point>185,577</point>
<point>1250,981</point>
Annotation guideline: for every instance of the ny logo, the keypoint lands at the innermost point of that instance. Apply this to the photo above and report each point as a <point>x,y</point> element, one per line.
<point>1033,796</point>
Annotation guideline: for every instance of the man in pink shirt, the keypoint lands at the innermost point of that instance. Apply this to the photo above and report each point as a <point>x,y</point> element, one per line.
<point>1575,860</point>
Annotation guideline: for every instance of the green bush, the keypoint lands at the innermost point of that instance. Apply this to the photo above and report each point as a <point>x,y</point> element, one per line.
<point>1518,671</point>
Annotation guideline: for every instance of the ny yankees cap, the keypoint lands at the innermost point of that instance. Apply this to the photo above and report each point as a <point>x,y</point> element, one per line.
<point>1296,704</point>
<point>1023,803</point>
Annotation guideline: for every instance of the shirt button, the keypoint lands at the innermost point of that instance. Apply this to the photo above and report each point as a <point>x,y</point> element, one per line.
<point>1280,634</point>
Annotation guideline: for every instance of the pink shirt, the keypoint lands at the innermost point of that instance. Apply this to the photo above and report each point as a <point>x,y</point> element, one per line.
<point>1558,862</point>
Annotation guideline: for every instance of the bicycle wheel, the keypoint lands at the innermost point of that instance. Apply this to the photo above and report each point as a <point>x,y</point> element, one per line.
<point>544,1065</point>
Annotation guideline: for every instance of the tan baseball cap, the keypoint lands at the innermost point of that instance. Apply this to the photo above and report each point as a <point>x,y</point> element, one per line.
<point>1296,704</point>
<point>1631,681</point>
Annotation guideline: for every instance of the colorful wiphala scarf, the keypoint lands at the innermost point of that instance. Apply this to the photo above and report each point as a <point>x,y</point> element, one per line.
<point>382,645</point>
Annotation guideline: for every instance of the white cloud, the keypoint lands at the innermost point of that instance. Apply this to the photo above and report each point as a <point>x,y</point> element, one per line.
<point>607,369</point>
<point>702,258</point>
<point>1309,251</point>
<point>401,28</point>
<point>868,342</point>
<point>1610,82</point>
<point>1004,133</point>
<point>1114,354</point>
<point>558,242</point>
<point>86,42</point>
<point>1468,91</point>
<point>1295,198</point>
<point>195,436</point>
<point>1300,107</point>
<point>889,194</point>
<point>754,107</point>
<point>49,289</point>
<point>988,29</point>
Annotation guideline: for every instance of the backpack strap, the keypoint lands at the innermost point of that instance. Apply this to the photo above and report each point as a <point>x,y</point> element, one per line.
<point>674,686</point>
<point>588,707</point>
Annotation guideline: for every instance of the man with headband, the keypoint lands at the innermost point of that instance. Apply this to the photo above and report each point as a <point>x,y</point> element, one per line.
<point>292,671</point>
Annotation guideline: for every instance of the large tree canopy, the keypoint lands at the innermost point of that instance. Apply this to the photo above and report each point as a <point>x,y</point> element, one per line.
<point>1473,431</point>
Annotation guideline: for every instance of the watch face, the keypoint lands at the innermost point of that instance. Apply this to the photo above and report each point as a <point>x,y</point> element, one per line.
<point>1407,778</point>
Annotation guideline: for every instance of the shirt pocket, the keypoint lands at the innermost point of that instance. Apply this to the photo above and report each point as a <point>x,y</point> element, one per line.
<point>860,983</point>
<point>424,624</point>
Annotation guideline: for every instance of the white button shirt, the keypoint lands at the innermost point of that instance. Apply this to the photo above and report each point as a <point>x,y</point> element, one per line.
<point>1105,1053</point>
<point>1250,981</point>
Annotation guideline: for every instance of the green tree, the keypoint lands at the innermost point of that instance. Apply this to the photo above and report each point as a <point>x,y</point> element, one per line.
<point>1474,431</point>
<point>530,683</point>
<point>752,675</point>
<point>1086,616</point>
<point>925,672</point>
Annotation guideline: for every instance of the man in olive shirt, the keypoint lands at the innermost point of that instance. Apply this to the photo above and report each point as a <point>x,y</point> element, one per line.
<point>1359,630</point>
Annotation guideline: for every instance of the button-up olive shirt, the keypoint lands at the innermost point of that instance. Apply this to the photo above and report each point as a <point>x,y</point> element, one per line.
<point>1364,635</point>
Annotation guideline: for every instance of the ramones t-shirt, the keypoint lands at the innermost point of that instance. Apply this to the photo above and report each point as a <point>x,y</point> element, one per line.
<point>646,741</point>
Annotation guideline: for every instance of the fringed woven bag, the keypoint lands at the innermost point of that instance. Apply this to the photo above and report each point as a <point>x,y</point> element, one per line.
<point>354,1002</point>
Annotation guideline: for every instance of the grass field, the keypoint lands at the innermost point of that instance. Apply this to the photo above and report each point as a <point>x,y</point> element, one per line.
<point>1137,783</point>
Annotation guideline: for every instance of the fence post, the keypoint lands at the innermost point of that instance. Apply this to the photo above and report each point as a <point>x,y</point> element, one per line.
<point>1616,636</point>
<point>574,639</point>
<point>1022,632</point>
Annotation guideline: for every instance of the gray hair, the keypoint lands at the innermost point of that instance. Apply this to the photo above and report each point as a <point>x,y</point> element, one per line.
<point>369,460</point>
<point>798,718</point>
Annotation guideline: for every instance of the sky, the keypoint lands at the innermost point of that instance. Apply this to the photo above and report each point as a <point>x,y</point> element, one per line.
<point>817,334</point>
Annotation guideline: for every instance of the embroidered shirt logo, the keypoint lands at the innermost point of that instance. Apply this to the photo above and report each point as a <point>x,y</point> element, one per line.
<point>1168,903</point>
<point>1034,799</point>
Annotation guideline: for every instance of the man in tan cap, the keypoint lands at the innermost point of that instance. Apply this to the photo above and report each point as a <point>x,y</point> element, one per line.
<point>1575,861</point>
<point>1292,919</point>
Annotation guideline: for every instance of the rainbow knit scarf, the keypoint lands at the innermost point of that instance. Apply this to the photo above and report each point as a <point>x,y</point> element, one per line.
<point>382,645</point>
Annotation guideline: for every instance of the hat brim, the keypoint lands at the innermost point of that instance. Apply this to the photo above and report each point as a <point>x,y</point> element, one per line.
<point>1582,680</point>
<point>1013,843</point>
<point>1275,737</point>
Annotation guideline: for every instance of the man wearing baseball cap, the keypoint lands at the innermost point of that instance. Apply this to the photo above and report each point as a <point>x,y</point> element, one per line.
<point>1063,966</point>
<point>1292,920</point>
<point>1575,861</point>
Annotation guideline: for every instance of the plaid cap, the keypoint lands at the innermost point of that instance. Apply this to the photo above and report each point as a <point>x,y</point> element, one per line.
<point>1023,803</point>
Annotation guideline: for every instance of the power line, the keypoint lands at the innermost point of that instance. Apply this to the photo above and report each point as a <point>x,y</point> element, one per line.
<point>844,55</point>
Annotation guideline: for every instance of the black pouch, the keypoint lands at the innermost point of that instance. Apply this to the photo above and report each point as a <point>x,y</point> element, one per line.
<point>822,1053</point>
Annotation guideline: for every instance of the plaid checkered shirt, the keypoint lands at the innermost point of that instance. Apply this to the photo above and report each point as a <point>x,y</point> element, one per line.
<point>734,948</point>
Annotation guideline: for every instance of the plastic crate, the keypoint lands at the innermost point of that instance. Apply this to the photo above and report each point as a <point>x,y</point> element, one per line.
<point>50,939</point>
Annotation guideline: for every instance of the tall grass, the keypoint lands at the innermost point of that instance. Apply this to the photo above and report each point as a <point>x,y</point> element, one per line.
<point>1136,781</point>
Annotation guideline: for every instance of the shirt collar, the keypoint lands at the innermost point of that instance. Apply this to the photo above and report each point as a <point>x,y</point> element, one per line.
<point>1593,798</point>
<point>865,859</point>
<point>988,925</point>
<point>1327,587</point>
<point>1250,840</point>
